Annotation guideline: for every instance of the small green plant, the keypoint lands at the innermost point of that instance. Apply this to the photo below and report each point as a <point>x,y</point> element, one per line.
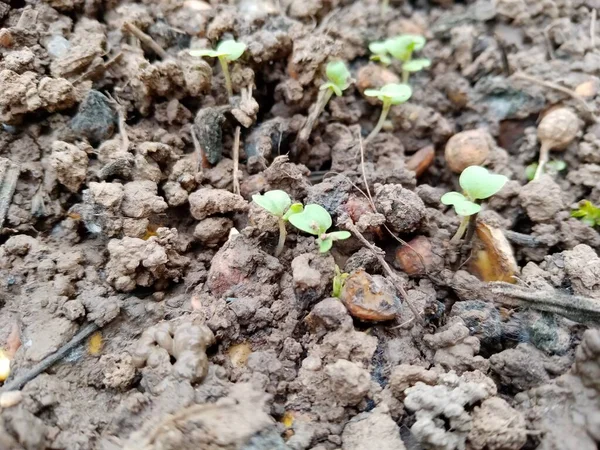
<point>338,80</point>
<point>401,48</point>
<point>280,205</point>
<point>390,94</point>
<point>477,183</point>
<point>552,167</point>
<point>380,53</point>
<point>226,52</point>
<point>316,220</point>
<point>587,213</point>
<point>339,279</point>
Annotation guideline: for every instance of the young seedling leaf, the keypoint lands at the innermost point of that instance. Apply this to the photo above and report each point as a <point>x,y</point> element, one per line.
<point>452,198</point>
<point>329,85</point>
<point>325,244</point>
<point>294,209</point>
<point>467,208</point>
<point>462,205</point>
<point>588,213</point>
<point>479,183</point>
<point>393,93</point>
<point>339,235</point>
<point>276,202</point>
<point>378,48</point>
<point>530,171</point>
<point>402,47</point>
<point>231,49</point>
<point>339,75</point>
<point>416,65</point>
<point>313,220</point>
<point>552,167</point>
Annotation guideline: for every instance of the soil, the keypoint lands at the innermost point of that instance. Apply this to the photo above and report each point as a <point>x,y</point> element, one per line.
<point>120,207</point>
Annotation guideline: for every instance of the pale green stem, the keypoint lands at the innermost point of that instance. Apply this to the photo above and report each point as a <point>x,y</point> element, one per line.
<point>225,69</point>
<point>405,76</point>
<point>384,112</point>
<point>544,157</point>
<point>282,236</point>
<point>461,230</point>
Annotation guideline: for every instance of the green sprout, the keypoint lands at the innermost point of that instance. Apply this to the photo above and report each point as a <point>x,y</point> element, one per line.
<point>380,53</point>
<point>227,51</point>
<point>552,167</point>
<point>280,205</point>
<point>402,48</point>
<point>390,94</point>
<point>587,213</point>
<point>339,79</point>
<point>477,183</point>
<point>339,279</point>
<point>316,220</point>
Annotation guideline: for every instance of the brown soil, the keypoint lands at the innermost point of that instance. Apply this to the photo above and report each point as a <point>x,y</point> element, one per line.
<point>119,208</point>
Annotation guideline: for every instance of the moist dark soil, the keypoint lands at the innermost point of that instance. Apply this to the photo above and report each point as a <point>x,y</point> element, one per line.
<point>126,183</point>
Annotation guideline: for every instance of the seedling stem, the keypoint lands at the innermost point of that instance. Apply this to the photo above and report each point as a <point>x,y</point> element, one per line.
<point>464,223</point>
<point>282,237</point>
<point>544,158</point>
<point>225,69</point>
<point>387,104</point>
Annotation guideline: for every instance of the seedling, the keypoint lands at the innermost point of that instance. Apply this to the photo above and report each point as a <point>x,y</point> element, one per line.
<point>280,205</point>
<point>339,280</point>
<point>477,183</point>
<point>227,51</point>
<point>380,53</point>
<point>390,94</point>
<point>587,213</point>
<point>339,79</point>
<point>556,131</point>
<point>402,48</point>
<point>552,167</point>
<point>316,220</point>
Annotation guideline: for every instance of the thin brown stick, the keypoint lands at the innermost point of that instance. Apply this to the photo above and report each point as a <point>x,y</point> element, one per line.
<point>9,174</point>
<point>50,360</point>
<point>198,151</point>
<point>99,69</point>
<point>236,160</point>
<point>145,39</point>
<point>370,198</point>
<point>122,123</point>
<point>557,87</point>
<point>349,225</point>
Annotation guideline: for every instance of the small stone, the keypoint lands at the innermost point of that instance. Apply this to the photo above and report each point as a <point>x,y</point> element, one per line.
<point>370,297</point>
<point>95,119</point>
<point>10,398</point>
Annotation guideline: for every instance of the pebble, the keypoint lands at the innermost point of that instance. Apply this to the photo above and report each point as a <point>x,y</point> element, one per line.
<point>95,119</point>
<point>10,398</point>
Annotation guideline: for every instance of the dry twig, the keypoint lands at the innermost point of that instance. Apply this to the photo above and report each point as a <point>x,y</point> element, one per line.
<point>557,87</point>
<point>236,160</point>
<point>50,360</point>
<point>145,39</point>
<point>578,308</point>
<point>9,174</point>
<point>122,118</point>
